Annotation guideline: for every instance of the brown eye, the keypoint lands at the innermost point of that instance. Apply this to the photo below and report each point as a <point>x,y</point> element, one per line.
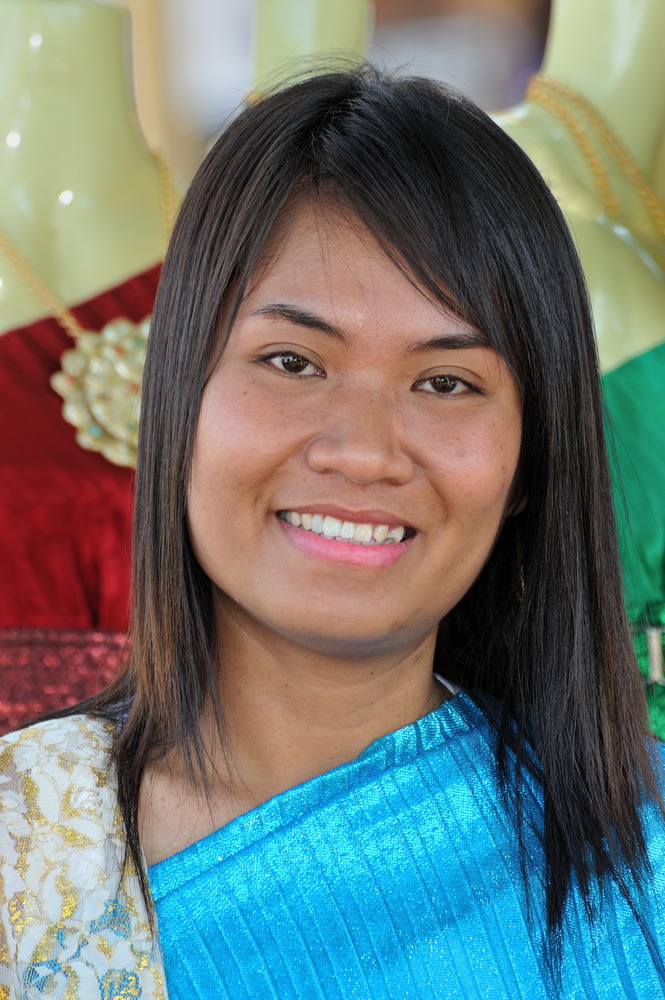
<point>290,363</point>
<point>444,385</point>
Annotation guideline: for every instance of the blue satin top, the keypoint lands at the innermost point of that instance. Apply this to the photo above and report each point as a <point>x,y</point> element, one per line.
<point>394,876</point>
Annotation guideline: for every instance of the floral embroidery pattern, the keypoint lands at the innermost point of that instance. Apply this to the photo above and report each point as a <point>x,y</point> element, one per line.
<point>71,925</point>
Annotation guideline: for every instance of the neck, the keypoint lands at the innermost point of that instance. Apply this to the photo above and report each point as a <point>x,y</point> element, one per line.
<point>80,194</point>
<point>292,714</point>
<point>289,716</point>
<point>613,53</point>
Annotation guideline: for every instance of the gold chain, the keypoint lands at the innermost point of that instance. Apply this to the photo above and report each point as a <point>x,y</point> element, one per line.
<point>56,306</point>
<point>42,291</point>
<point>581,118</point>
<point>167,198</point>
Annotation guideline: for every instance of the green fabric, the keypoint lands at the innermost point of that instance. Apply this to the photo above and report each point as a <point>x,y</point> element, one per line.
<point>635,398</point>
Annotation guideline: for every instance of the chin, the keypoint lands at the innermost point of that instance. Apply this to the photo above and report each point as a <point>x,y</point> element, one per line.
<point>360,645</point>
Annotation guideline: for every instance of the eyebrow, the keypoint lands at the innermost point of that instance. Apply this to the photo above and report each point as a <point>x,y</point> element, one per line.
<point>458,340</point>
<point>461,339</point>
<point>300,317</point>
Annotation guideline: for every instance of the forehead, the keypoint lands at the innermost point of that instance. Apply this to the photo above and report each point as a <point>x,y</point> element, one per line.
<point>318,234</point>
<point>325,258</point>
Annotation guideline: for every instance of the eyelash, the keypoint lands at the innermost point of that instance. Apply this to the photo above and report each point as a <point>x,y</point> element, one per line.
<point>454,380</point>
<point>270,359</point>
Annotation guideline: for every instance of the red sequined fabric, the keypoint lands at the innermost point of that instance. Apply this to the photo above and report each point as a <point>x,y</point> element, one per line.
<point>42,670</point>
<point>65,513</point>
<point>65,524</point>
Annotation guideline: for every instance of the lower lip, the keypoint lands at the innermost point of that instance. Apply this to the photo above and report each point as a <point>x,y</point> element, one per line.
<point>330,550</point>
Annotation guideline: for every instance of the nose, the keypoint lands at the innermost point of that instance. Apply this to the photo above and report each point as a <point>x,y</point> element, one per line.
<point>361,441</point>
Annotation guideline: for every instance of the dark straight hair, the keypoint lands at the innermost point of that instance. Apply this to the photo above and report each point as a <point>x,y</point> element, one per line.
<point>540,641</point>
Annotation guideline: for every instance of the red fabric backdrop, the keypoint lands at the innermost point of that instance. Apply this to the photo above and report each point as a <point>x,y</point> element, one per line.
<point>65,515</point>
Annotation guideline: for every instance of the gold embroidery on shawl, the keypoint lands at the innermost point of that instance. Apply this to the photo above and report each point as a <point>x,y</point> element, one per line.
<point>24,909</point>
<point>23,845</point>
<point>101,777</point>
<point>72,837</point>
<point>31,794</point>
<point>69,896</point>
<point>67,920</point>
<point>120,986</point>
<point>105,947</point>
<point>67,761</point>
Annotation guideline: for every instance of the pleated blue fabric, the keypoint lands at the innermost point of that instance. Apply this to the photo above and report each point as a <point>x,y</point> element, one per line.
<point>395,876</point>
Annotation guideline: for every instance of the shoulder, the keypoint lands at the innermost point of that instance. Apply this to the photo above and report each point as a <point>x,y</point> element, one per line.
<point>68,909</point>
<point>56,750</point>
<point>53,773</point>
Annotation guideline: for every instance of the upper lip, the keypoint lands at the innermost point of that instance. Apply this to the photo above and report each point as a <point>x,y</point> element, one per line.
<point>357,516</point>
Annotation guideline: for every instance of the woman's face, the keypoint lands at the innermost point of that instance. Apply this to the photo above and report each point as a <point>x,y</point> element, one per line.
<point>355,451</point>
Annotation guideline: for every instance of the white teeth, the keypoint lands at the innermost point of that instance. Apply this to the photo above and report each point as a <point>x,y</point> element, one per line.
<point>331,527</point>
<point>349,531</point>
<point>363,533</point>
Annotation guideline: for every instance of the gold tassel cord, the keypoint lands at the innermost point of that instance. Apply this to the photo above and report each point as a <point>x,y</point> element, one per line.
<point>39,288</point>
<point>596,139</point>
<point>100,376</point>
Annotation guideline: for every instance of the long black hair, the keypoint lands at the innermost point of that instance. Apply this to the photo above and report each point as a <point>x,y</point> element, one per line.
<point>540,640</point>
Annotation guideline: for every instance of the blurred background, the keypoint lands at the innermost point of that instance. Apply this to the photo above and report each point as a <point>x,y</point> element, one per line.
<point>192,59</point>
<point>85,209</point>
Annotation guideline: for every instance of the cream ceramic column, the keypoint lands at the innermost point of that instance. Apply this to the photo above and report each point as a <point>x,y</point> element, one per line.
<point>80,192</point>
<point>613,53</point>
<point>290,31</point>
<point>147,34</point>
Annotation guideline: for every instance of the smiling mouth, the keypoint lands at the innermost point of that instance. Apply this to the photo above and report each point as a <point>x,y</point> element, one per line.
<point>352,532</point>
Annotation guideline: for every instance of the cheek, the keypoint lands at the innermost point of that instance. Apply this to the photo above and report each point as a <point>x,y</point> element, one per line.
<point>478,468</point>
<point>241,443</point>
<point>485,455</point>
<point>230,438</point>
<point>220,461</point>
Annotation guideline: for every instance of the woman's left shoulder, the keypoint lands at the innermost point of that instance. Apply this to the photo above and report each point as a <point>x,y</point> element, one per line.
<point>57,745</point>
<point>56,772</point>
<point>69,913</point>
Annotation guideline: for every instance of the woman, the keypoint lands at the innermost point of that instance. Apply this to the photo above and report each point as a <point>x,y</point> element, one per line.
<point>371,458</point>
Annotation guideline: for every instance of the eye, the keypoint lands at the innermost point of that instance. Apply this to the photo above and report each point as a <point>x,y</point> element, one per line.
<point>445,385</point>
<point>290,363</point>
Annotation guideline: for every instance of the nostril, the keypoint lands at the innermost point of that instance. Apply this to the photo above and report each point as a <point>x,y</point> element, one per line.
<point>360,456</point>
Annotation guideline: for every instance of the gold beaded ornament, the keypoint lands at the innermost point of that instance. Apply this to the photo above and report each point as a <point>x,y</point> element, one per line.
<point>597,142</point>
<point>100,377</point>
